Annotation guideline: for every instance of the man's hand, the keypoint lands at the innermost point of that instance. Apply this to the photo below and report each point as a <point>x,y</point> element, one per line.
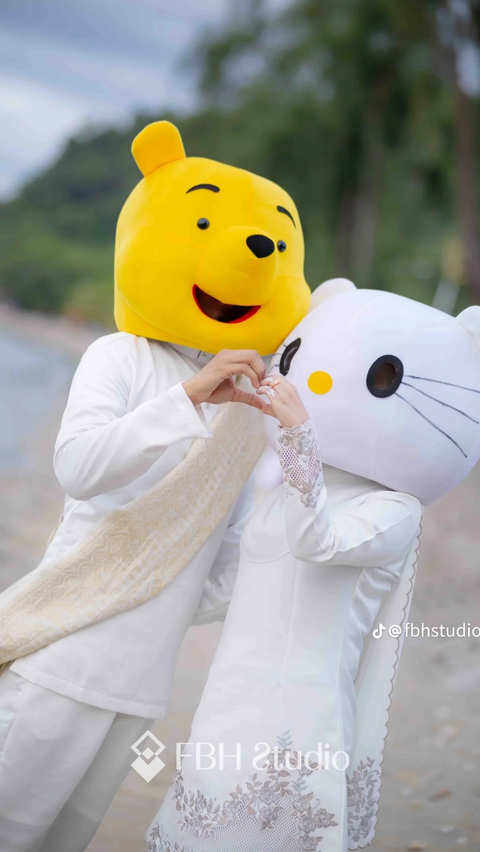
<point>215,383</point>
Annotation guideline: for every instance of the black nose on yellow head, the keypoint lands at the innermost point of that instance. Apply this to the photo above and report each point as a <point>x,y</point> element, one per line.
<point>260,246</point>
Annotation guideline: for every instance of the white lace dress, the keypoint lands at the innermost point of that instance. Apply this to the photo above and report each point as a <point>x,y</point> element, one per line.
<point>266,769</point>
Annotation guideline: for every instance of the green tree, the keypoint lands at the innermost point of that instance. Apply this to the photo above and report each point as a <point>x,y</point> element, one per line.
<point>357,107</point>
<point>375,72</point>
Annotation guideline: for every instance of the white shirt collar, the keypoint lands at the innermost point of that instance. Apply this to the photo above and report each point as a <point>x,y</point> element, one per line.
<point>198,356</point>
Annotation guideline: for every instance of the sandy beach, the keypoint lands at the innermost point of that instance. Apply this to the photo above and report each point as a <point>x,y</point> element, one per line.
<point>431,785</point>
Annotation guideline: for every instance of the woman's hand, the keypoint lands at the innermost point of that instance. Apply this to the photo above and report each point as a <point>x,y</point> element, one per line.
<point>284,401</point>
<point>215,383</point>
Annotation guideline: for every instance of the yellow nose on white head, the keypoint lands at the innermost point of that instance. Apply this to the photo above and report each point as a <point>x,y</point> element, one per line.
<point>320,382</point>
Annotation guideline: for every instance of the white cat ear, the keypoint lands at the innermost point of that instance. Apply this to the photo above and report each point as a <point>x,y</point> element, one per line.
<point>330,288</point>
<point>470,319</point>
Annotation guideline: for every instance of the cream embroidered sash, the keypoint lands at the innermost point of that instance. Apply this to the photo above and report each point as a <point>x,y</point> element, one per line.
<point>132,555</point>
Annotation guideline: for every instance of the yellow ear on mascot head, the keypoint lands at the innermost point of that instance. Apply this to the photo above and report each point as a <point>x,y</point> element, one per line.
<point>207,255</point>
<point>157,144</point>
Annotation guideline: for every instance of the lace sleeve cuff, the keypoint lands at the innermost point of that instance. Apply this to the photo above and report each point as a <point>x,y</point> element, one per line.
<point>299,455</point>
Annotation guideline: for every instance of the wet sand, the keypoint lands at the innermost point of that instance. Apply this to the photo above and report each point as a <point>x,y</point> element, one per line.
<point>431,786</point>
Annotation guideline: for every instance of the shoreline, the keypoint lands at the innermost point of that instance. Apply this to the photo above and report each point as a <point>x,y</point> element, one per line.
<point>64,335</point>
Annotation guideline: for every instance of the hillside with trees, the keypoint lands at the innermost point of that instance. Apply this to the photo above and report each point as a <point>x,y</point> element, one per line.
<point>357,107</point>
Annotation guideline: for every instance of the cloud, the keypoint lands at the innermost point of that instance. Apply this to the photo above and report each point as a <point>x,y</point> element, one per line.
<point>34,121</point>
<point>65,64</point>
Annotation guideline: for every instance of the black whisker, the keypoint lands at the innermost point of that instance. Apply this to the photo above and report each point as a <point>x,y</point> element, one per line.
<point>441,402</point>
<point>432,424</point>
<point>439,382</point>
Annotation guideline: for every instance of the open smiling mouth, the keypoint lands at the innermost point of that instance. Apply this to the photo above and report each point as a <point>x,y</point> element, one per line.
<point>219,311</point>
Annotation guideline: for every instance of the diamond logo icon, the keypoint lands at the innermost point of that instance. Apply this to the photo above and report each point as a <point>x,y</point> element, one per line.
<point>148,764</point>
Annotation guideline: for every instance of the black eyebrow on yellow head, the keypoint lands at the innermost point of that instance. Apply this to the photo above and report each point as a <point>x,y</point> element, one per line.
<point>210,186</point>
<point>287,212</point>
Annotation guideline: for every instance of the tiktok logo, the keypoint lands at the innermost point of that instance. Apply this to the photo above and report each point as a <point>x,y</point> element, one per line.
<point>395,631</point>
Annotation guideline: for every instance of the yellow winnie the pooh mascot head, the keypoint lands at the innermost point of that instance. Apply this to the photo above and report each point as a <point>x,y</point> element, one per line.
<point>207,255</point>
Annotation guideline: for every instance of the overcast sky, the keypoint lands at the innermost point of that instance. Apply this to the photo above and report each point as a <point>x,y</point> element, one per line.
<point>68,63</point>
<point>65,64</point>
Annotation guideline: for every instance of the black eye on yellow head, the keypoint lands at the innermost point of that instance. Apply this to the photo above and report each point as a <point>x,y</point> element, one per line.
<point>203,224</point>
<point>288,355</point>
<point>385,376</point>
<point>281,245</point>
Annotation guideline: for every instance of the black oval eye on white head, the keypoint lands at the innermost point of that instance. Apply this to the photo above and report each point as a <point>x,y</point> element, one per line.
<point>288,355</point>
<point>385,376</point>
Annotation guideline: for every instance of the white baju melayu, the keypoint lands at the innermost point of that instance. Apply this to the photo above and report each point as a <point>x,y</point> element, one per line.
<point>315,571</point>
<point>70,711</point>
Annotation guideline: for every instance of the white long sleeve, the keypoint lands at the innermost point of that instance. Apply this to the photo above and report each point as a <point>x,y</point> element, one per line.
<point>372,531</point>
<point>102,445</point>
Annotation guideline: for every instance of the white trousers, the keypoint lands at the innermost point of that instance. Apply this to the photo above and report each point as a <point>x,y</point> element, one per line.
<point>61,763</point>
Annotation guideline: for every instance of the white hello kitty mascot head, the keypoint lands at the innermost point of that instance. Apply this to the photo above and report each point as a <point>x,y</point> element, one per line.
<point>392,386</point>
